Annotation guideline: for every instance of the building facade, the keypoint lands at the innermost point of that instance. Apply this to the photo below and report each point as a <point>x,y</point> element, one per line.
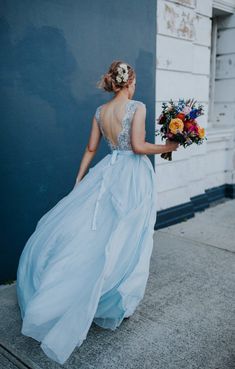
<point>196,58</point>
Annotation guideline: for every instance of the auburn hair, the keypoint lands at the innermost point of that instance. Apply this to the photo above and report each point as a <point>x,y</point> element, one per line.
<point>108,80</point>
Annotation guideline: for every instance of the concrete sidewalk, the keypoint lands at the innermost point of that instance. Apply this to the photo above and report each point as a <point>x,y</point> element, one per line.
<point>186,319</point>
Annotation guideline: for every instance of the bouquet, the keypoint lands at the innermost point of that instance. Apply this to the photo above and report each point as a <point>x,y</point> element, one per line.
<point>178,123</point>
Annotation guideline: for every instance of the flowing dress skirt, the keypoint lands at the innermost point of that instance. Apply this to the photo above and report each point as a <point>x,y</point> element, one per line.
<point>88,258</point>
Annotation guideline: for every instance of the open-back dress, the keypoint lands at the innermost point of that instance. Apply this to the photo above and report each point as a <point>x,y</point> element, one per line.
<point>88,257</point>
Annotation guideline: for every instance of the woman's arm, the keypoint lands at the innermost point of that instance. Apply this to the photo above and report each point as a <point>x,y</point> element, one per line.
<point>90,150</point>
<point>138,134</point>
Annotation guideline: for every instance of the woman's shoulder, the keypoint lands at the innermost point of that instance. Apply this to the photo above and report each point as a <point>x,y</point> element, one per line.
<point>97,112</point>
<point>138,102</point>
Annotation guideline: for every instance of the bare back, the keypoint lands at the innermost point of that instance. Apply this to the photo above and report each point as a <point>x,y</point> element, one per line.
<point>114,121</point>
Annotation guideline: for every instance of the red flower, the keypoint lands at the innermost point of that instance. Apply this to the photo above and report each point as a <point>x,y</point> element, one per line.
<point>196,129</point>
<point>188,126</point>
<point>180,116</point>
<point>161,119</point>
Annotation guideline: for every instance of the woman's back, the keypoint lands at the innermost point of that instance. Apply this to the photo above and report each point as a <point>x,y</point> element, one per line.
<point>114,120</point>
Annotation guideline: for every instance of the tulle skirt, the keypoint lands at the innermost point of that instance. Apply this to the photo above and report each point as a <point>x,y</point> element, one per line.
<point>88,257</point>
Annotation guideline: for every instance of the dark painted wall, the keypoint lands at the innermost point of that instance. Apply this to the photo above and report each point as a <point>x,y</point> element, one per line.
<point>52,55</point>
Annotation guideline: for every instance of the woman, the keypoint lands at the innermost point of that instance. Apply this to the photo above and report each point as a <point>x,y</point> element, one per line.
<point>88,258</point>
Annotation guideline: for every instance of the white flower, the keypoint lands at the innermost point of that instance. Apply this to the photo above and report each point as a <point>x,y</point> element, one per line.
<point>122,73</point>
<point>124,66</point>
<point>125,78</point>
<point>119,79</point>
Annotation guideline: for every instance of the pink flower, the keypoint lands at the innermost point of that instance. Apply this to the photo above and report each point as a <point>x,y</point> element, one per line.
<point>186,110</point>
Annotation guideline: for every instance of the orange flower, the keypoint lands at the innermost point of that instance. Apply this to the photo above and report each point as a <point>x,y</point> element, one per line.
<point>176,125</point>
<point>201,132</point>
<point>187,125</point>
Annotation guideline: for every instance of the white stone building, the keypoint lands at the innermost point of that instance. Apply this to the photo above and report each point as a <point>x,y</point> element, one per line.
<point>196,58</point>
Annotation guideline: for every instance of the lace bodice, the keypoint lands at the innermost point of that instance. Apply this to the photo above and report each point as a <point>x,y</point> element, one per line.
<point>123,139</point>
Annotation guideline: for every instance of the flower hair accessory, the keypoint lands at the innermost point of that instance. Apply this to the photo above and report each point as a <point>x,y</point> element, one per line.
<point>122,73</point>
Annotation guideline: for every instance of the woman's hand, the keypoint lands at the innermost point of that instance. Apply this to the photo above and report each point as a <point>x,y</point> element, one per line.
<point>171,145</point>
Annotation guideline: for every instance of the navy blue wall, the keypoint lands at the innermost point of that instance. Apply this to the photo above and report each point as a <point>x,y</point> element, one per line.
<point>52,54</point>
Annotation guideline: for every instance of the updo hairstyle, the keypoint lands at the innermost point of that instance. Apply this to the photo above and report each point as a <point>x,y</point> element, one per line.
<point>119,75</point>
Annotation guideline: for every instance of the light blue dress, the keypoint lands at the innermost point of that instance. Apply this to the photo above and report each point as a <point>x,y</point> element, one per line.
<point>88,258</point>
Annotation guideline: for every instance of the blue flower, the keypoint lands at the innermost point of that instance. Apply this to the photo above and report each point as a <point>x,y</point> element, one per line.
<point>193,113</point>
